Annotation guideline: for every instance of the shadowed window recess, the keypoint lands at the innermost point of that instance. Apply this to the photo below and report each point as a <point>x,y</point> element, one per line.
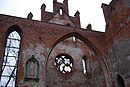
<point>32,69</point>
<point>120,81</point>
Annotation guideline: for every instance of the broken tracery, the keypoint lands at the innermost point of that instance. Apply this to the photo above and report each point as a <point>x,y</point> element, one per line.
<point>64,63</point>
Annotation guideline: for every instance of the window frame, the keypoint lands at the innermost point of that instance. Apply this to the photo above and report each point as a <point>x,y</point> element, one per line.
<point>58,66</point>
<point>36,72</point>
<point>7,55</point>
<point>85,65</point>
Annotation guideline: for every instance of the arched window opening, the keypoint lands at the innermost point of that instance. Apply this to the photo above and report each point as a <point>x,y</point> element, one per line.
<point>61,11</point>
<point>10,62</point>
<point>32,68</point>
<point>64,63</point>
<point>120,81</point>
<point>74,38</point>
<point>85,64</point>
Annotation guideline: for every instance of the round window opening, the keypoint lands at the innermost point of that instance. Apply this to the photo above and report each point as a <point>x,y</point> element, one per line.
<point>64,63</point>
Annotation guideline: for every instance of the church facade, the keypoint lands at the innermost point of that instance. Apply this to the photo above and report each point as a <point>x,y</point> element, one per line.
<point>57,52</point>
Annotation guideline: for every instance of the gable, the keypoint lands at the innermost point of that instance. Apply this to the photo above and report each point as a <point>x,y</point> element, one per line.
<point>62,19</point>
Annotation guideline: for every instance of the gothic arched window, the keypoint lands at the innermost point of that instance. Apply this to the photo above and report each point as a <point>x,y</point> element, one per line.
<point>32,68</point>
<point>85,64</point>
<point>61,11</point>
<point>10,61</point>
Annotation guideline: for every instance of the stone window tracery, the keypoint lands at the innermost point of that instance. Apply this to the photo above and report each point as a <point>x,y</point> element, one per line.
<point>64,63</point>
<point>10,62</point>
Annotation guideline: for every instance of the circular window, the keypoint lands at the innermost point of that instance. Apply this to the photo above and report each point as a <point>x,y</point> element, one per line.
<point>64,63</point>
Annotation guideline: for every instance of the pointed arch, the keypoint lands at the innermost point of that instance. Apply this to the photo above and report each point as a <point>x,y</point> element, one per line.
<point>61,11</point>
<point>11,56</point>
<point>78,36</point>
<point>14,28</point>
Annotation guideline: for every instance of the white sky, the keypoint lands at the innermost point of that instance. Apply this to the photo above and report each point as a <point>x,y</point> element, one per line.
<point>90,10</point>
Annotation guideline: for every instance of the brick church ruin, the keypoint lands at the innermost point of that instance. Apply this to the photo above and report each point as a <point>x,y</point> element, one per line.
<point>57,52</point>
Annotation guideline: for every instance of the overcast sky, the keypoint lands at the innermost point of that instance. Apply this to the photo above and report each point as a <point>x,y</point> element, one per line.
<point>90,10</point>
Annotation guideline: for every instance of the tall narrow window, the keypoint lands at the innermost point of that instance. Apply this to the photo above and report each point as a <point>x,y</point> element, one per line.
<point>10,62</point>
<point>61,11</point>
<point>85,63</point>
<point>74,38</point>
<point>84,66</point>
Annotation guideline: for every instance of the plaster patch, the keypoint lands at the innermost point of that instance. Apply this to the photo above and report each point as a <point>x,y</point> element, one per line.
<point>37,50</point>
<point>91,53</point>
<point>40,53</point>
<point>70,49</point>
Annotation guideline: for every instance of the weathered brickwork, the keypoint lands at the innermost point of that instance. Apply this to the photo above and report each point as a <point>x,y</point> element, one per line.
<point>106,54</point>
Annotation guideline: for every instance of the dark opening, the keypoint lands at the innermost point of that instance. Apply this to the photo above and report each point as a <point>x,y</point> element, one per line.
<point>120,81</point>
